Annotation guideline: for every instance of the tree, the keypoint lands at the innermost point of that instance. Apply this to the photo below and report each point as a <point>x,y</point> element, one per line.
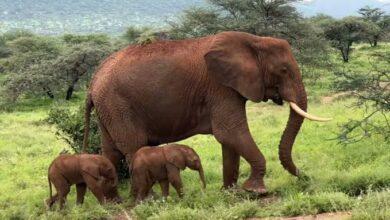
<point>276,18</point>
<point>22,66</point>
<point>75,63</point>
<point>343,33</point>
<point>378,23</point>
<point>260,17</point>
<point>372,92</point>
<point>52,67</point>
<point>144,35</point>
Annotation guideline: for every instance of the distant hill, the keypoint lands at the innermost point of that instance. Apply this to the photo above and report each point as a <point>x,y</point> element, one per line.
<point>113,16</point>
<point>83,16</point>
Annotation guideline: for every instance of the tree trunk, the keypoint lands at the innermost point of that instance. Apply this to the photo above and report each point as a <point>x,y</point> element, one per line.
<point>376,38</point>
<point>344,54</point>
<point>70,90</point>
<point>48,92</point>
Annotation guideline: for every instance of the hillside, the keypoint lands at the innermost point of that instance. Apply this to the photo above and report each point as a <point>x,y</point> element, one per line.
<point>113,16</point>
<point>108,16</point>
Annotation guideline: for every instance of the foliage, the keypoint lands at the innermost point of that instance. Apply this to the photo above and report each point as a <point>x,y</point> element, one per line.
<point>144,35</point>
<point>277,18</point>
<point>260,17</point>
<point>343,33</point>
<point>379,24</point>
<point>70,127</point>
<point>40,65</point>
<point>96,39</point>
<point>372,90</point>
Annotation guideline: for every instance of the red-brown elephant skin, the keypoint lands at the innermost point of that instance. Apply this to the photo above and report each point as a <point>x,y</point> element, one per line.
<point>167,91</point>
<point>94,172</point>
<point>163,165</point>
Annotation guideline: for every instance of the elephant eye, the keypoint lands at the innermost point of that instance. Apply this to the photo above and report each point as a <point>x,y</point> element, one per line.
<point>284,70</point>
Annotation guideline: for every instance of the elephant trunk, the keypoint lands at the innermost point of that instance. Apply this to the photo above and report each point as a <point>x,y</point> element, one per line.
<point>293,126</point>
<point>201,176</point>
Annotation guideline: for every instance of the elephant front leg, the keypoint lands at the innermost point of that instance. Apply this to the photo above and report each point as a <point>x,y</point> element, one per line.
<point>243,144</point>
<point>231,129</point>
<point>164,184</point>
<point>231,165</point>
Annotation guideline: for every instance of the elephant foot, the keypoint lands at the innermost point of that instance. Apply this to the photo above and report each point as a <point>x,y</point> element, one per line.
<point>255,186</point>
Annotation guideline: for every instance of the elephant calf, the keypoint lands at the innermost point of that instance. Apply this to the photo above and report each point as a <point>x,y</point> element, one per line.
<point>163,165</point>
<point>85,170</point>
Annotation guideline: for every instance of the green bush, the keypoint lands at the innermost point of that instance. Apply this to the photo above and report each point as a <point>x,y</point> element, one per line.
<point>70,127</point>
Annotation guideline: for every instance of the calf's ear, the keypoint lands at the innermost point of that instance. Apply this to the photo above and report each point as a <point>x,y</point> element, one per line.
<point>91,170</point>
<point>175,157</point>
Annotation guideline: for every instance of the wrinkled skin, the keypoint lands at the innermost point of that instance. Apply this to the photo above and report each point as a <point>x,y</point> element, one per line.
<point>162,165</point>
<point>85,171</point>
<point>170,90</point>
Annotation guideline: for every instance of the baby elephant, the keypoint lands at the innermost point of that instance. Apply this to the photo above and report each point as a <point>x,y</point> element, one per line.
<point>85,170</point>
<point>163,165</point>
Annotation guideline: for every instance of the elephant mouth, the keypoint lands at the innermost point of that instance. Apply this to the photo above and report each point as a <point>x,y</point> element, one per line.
<point>277,99</point>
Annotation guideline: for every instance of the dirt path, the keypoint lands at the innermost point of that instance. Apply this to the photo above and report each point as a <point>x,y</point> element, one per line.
<point>323,216</point>
<point>330,99</point>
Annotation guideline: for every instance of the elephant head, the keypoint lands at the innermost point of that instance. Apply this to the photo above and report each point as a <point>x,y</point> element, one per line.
<point>262,68</point>
<point>183,156</point>
<point>108,180</point>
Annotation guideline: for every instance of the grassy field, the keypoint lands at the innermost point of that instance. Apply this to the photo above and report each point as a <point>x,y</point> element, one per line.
<point>353,178</point>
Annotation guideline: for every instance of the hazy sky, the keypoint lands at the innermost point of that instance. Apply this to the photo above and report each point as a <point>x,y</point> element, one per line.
<point>339,8</point>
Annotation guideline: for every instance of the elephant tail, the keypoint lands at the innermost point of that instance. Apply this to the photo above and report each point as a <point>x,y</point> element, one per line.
<point>50,188</point>
<point>87,118</point>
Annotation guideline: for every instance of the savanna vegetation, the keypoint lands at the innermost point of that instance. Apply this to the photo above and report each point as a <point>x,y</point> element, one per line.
<point>345,66</point>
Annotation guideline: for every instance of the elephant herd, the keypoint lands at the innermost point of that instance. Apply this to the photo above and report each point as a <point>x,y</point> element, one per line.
<point>166,91</point>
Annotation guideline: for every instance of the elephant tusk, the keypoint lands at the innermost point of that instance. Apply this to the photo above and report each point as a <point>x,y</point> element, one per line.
<point>306,115</point>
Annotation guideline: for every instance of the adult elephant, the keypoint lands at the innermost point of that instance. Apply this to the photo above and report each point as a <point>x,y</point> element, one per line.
<point>170,90</point>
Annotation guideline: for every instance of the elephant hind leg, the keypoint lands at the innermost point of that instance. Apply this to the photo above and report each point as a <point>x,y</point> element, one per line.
<point>62,187</point>
<point>123,137</point>
<point>81,188</point>
<point>110,151</point>
<point>52,200</point>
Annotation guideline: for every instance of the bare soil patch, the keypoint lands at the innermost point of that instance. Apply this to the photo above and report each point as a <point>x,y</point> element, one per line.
<point>323,216</point>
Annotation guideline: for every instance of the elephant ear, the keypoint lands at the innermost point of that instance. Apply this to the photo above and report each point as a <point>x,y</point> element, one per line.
<point>92,170</point>
<point>109,173</point>
<point>175,157</point>
<point>233,61</point>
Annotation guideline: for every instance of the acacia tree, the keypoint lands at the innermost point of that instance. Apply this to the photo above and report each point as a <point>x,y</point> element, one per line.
<point>27,53</point>
<point>276,18</point>
<point>372,92</point>
<point>260,17</point>
<point>343,33</point>
<point>77,63</point>
<point>40,67</point>
<point>378,23</point>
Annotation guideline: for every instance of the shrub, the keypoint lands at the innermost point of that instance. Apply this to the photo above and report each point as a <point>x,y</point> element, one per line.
<point>70,127</point>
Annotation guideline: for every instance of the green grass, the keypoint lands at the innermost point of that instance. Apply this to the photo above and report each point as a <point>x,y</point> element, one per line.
<point>339,176</point>
<point>352,178</point>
